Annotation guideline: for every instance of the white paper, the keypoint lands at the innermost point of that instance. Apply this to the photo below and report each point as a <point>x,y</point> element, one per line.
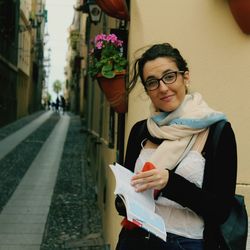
<point>140,207</point>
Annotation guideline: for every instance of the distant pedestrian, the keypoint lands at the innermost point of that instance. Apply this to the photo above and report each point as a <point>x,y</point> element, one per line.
<point>48,105</point>
<point>63,104</point>
<point>53,105</point>
<point>57,104</point>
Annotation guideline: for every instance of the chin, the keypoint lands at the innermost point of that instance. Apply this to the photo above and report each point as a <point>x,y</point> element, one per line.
<point>169,109</point>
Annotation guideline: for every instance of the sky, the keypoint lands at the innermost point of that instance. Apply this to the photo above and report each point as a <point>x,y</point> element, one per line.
<point>60,17</point>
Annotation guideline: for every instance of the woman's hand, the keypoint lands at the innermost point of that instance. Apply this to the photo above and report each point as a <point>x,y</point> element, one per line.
<point>151,179</point>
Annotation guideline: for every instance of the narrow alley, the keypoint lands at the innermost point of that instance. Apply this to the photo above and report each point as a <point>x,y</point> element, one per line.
<point>78,80</point>
<point>47,197</point>
<point>47,191</point>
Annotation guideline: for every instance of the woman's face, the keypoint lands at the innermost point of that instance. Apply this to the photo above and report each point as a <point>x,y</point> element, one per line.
<point>165,97</point>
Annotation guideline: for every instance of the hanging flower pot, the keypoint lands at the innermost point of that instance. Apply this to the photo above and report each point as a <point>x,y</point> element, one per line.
<point>115,8</point>
<point>241,12</point>
<point>114,90</point>
<point>108,66</point>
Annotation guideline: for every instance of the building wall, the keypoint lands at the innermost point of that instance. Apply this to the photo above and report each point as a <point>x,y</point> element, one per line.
<point>24,59</point>
<point>217,62</point>
<point>9,16</point>
<point>20,81</point>
<point>217,52</point>
<point>8,79</point>
<point>22,94</point>
<point>101,124</point>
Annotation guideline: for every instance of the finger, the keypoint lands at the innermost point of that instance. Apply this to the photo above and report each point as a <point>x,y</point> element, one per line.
<point>144,180</point>
<point>143,175</point>
<point>139,181</point>
<point>145,186</point>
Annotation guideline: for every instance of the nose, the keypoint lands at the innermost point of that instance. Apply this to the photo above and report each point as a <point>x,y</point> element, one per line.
<point>163,86</point>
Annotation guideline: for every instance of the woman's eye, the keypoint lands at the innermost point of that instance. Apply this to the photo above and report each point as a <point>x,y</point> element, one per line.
<point>152,83</point>
<point>168,77</point>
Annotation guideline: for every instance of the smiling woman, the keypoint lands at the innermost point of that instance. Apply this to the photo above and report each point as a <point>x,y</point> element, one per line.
<point>176,140</point>
<point>169,90</point>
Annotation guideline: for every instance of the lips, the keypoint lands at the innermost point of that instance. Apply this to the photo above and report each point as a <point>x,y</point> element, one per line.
<point>167,98</point>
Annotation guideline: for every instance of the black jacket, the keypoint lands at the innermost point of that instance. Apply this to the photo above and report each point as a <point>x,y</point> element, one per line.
<point>213,201</point>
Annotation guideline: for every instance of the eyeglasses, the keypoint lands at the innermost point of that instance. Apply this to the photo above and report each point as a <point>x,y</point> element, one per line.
<point>167,78</point>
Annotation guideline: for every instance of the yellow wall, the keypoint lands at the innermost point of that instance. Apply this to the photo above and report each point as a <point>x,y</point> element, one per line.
<point>24,59</point>
<point>24,37</point>
<point>111,220</point>
<point>100,155</point>
<point>217,52</point>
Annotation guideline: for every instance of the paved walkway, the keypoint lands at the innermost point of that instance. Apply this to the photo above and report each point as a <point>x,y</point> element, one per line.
<point>23,219</point>
<point>8,143</point>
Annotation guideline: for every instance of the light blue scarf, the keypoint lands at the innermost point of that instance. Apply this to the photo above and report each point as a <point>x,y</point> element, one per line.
<point>193,113</point>
<point>180,128</point>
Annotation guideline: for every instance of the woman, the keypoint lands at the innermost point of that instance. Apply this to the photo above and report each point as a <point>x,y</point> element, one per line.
<point>194,195</point>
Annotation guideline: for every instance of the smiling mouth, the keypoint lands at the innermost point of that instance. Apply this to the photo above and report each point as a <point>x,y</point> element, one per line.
<point>167,98</point>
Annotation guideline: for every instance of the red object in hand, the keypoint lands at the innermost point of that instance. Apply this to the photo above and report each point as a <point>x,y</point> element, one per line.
<point>149,166</point>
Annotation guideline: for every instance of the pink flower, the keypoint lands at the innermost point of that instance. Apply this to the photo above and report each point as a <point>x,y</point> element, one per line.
<point>100,37</point>
<point>99,45</point>
<point>112,38</point>
<point>119,43</point>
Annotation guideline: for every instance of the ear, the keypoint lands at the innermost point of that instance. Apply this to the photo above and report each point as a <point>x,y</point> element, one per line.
<point>186,77</point>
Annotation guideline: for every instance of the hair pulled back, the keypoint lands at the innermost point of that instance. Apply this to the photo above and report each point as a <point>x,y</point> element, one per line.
<point>156,51</point>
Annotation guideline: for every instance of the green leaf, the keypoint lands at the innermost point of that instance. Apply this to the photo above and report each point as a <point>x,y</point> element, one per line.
<point>108,74</point>
<point>107,67</point>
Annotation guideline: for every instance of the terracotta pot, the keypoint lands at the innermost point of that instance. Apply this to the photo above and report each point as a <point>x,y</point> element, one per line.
<point>114,8</point>
<point>241,12</point>
<point>115,91</point>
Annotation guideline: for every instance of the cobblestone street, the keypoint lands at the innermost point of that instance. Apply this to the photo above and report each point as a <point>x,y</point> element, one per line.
<point>86,85</point>
<point>48,198</point>
<point>68,218</point>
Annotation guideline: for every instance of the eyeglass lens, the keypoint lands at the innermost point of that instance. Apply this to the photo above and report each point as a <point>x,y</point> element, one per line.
<point>167,78</point>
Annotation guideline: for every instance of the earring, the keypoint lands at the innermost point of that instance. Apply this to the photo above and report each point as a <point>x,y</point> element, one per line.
<point>187,86</point>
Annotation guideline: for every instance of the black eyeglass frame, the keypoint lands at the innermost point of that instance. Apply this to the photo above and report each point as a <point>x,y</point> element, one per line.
<point>161,79</point>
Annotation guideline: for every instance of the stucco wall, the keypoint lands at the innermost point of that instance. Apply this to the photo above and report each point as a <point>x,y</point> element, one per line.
<point>217,52</point>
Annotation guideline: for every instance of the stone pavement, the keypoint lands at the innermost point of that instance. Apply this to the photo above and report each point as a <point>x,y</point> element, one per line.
<point>53,206</point>
<point>24,218</point>
<point>8,143</point>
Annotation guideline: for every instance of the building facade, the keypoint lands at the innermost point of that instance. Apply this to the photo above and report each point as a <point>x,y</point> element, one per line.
<point>218,66</point>
<point>9,20</point>
<point>21,57</point>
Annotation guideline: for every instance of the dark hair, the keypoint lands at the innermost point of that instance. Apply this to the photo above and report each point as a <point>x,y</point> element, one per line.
<point>155,51</point>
